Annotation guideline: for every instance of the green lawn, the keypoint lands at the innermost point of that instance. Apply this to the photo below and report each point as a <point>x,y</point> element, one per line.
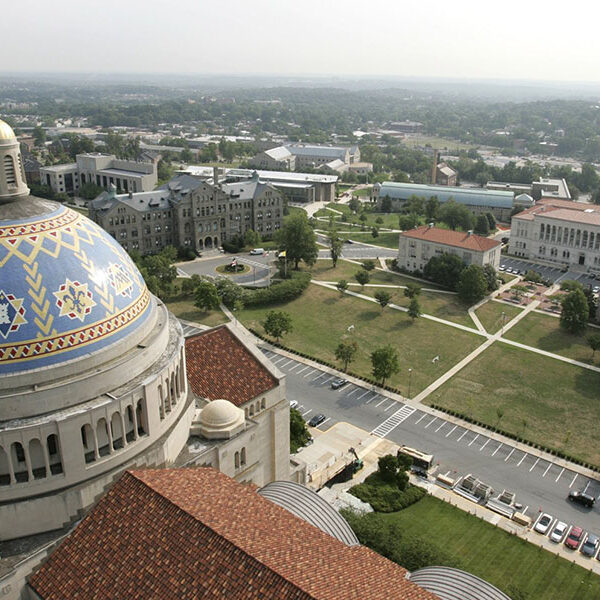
<point>435,142</point>
<point>558,401</point>
<point>387,239</point>
<point>363,191</point>
<point>544,332</point>
<point>490,314</point>
<point>321,318</point>
<point>494,554</point>
<point>185,309</point>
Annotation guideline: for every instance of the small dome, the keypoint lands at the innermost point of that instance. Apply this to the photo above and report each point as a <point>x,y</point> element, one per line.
<point>221,419</point>
<point>6,132</point>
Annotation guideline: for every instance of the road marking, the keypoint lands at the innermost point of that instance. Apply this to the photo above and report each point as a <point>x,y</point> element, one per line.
<point>574,478</point>
<point>473,439</point>
<point>328,380</point>
<point>305,413</point>
<point>420,418</point>
<point>393,421</point>
<point>390,406</point>
<point>279,359</point>
<point>287,363</point>
<point>486,443</point>
<point>319,377</point>
<point>325,421</point>
<point>586,487</point>
<point>561,472</point>
<point>354,391</point>
<point>295,367</point>
<point>430,422</point>
<point>496,450</point>
<point>373,398</point>
<point>546,471</point>
<point>522,459</point>
<point>382,401</point>
<point>302,371</point>
<point>463,435</point>
<point>451,430</point>
<point>525,510</point>
<point>310,372</point>
<point>534,464</point>
<point>364,394</point>
<point>509,455</point>
<point>443,423</point>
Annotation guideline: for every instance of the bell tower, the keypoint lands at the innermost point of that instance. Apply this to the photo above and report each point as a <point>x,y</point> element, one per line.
<point>12,174</point>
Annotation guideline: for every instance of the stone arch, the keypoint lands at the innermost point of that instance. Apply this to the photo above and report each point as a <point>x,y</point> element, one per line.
<point>87,441</point>
<point>177,378</point>
<point>103,437</point>
<point>9,170</point>
<point>173,389</point>
<point>17,455</point>
<point>251,411</point>
<point>263,404</point>
<point>200,244</point>
<point>243,456</point>
<point>129,423</point>
<point>161,402</point>
<point>167,395</point>
<point>54,454</point>
<point>37,459</point>
<point>116,431</point>
<point>5,470</point>
<point>208,242</point>
<point>216,242</point>
<point>140,418</point>
<point>236,460</point>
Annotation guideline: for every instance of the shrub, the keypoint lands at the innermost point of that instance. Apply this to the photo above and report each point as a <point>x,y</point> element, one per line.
<point>281,292</point>
<point>387,497</point>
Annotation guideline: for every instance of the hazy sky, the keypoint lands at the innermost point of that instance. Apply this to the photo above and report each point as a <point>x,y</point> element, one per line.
<point>524,39</point>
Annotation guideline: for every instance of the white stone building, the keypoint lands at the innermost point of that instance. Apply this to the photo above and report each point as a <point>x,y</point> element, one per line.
<point>558,231</point>
<point>417,246</point>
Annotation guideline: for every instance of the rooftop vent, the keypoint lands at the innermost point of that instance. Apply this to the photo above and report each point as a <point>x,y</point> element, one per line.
<point>470,233</point>
<point>430,225</point>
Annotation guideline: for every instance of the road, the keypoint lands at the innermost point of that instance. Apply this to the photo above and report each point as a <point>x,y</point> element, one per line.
<point>258,274</point>
<point>537,483</point>
<point>358,251</point>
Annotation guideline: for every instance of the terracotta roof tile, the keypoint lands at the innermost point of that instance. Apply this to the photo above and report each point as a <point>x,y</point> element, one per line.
<point>184,534</point>
<point>457,239</point>
<point>220,366</point>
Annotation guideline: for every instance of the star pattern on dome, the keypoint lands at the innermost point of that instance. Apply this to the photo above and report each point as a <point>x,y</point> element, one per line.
<point>120,280</point>
<point>74,300</point>
<point>12,313</point>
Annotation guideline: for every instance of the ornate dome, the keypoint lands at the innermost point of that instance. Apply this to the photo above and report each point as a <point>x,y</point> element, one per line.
<point>221,419</point>
<point>67,288</point>
<point>6,132</point>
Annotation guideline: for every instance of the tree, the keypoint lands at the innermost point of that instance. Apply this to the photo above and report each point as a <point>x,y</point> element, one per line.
<point>383,298</point>
<point>472,285</point>
<point>379,221</point>
<point>444,269</point>
<point>386,204</point>
<point>362,277</point>
<point>412,290</point>
<point>252,238</point>
<point>482,225</point>
<point>491,220</point>
<point>206,296</point>
<point>354,204</point>
<point>388,467</point>
<point>89,191</point>
<point>277,323</point>
<point>491,277</point>
<point>298,240</point>
<point>385,363</point>
<point>594,343</point>
<point>346,352</point>
<point>299,434</point>
<point>432,206</point>
<point>456,215</point>
<point>335,247</point>
<point>368,265</point>
<point>414,309</point>
<point>342,286</point>
<point>575,312</point>
<point>229,291</point>
<point>363,217</point>
<point>39,135</point>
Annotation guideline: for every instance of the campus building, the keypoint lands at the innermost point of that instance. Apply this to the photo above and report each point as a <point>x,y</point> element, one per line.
<point>558,231</point>
<point>477,200</point>
<point>544,188</point>
<point>296,187</point>
<point>103,170</point>
<point>189,212</point>
<point>417,246</point>
<point>307,156</point>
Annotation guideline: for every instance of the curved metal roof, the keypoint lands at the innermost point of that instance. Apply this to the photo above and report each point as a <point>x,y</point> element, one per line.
<point>454,584</point>
<point>310,507</point>
<point>467,196</point>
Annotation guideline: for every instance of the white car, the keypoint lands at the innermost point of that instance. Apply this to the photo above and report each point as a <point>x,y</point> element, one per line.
<point>509,270</point>
<point>596,289</point>
<point>543,523</point>
<point>257,251</point>
<point>558,533</point>
<point>293,403</point>
<point>501,268</point>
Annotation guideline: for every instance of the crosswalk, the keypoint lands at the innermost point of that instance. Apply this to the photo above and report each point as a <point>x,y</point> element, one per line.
<point>393,421</point>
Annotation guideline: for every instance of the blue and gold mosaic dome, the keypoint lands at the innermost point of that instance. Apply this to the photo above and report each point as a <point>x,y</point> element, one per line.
<point>67,289</point>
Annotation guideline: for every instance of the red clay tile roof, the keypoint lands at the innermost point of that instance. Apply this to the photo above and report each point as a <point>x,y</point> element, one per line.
<point>188,534</point>
<point>457,239</point>
<point>220,366</point>
<point>571,204</point>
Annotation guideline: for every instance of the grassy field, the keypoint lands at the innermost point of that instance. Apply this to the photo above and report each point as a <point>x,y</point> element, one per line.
<point>558,401</point>
<point>185,309</point>
<point>496,555</point>
<point>363,191</point>
<point>544,332</point>
<point>435,142</point>
<point>490,314</point>
<point>417,343</point>
<point>387,239</point>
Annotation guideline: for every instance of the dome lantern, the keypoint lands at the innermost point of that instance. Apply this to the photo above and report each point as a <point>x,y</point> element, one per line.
<point>12,173</point>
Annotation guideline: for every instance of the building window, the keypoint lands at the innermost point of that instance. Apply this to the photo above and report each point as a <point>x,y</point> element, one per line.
<point>243,457</point>
<point>236,460</point>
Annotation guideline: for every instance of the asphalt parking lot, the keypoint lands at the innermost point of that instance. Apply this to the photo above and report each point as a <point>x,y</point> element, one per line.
<point>554,274</point>
<point>540,485</point>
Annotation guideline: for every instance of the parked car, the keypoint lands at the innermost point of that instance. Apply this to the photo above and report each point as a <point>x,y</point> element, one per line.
<point>257,251</point>
<point>317,420</point>
<point>509,270</point>
<point>596,289</point>
<point>543,523</point>
<point>336,384</point>
<point>590,546</point>
<point>582,498</point>
<point>502,268</point>
<point>293,403</point>
<point>558,533</point>
<point>574,538</point>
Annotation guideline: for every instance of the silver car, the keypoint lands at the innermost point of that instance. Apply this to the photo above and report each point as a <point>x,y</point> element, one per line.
<point>543,523</point>
<point>558,533</point>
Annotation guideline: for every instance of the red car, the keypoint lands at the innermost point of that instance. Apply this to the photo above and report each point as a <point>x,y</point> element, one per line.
<point>574,538</point>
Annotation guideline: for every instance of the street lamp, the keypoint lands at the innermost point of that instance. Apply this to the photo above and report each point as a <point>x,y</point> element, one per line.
<point>409,381</point>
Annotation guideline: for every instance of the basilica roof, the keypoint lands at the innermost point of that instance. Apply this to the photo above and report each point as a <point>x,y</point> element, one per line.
<point>67,288</point>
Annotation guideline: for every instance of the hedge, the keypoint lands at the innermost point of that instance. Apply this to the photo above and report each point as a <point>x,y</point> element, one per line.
<point>387,497</point>
<point>278,293</point>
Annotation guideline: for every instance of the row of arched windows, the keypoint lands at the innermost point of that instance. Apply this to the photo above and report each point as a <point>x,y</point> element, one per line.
<point>255,408</point>
<point>23,462</point>
<point>239,458</point>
